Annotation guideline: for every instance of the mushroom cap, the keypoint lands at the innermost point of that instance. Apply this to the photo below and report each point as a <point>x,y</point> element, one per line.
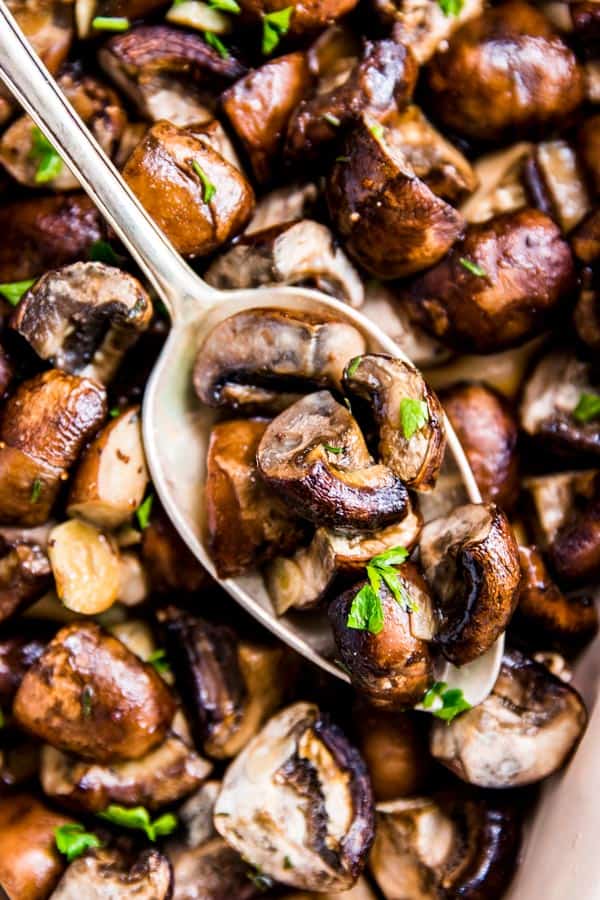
<point>342,488</point>
<point>103,874</point>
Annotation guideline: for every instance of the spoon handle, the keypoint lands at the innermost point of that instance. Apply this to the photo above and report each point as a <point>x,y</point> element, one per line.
<point>35,89</point>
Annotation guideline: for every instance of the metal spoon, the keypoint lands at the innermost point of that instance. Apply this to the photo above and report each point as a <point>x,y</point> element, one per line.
<point>176,427</point>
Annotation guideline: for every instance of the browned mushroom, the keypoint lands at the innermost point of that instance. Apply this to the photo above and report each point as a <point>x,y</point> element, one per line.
<point>170,564</point>
<point>423,24</point>
<point>198,198</point>
<point>488,431</point>
<point>588,145</point>
<point>501,183</point>
<point>586,315</point>
<point>246,524</point>
<point>554,499</point>
<point>391,222</point>
<point>87,10</point>
<point>471,560</point>
<point>504,73</point>
<point>575,548</point>
<point>217,868</point>
<point>18,651</point>
<point>586,238</point>
<point>315,456</point>
<point>282,205</point>
<point>307,16</point>
<point>24,573</point>
<point>394,747</point>
<point>522,732</point>
<point>498,286</point>
<point>88,694</point>
<point>103,874</point>
<point>556,184</point>
<point>48,25</point>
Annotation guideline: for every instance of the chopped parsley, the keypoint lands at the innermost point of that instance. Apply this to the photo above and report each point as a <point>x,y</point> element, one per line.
<point>228,6</point>
<point>14,290</point>
<point>2,720</point>
<point>287,863</point>
<point>87,695</point>
<point>353,366</point>
<point>36,490</point>
<point>138,817</point>
<point>331,449</point>
<point>332,120</point>
<point>451,7</point>
<point>217,44</point>
<point>72,840</point>
<point>114,412</point>
<point>208,188</point>
<point>343,159</point>
<point>377,130</point>
<point>275,25</point>
<point>159,660</point>
<point>472,267</point>
<point>414,414</point>
<point>444,702</point>
<point>110,23</point>
<point>49,163</point>
<point>366,611</point>
<point>101,251</point>
<point>144,511</point>
<point>588,408</point>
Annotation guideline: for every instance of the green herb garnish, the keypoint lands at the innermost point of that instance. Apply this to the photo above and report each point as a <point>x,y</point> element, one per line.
<point>343,159</point>
<point>14,290</point>
<point>2,719</point>
<point>414,414</point>
<point>114,412</point>
<point>158,659</point>
<point>138,817</point>
<point>209,190</point>
<point>353,366</point>
<point>228,6</point>
<point>217,44</point>
<point>377,130</point>
<point>366,611</point>
<point>275,25</point>
<point>445,703</point>
<point>110,23</point>
<point>101,251</point>
<point>87,695</point>
<point>472,267</point>
<point>331,449</point>
<point>48,160</point>
<point>332,120</point>
<point>36,490</point>
<point>451,7</point>
<point>287,863</point>
<point>144,510</point>
<point>72,840</point>
<point>588,408</point>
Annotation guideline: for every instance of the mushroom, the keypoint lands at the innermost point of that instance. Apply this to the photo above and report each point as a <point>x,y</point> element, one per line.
<point>556,184</point>
<point>24,575</point>
<point>198,198</point>
<point>504,73</point>
<point>87,10</point>
<point>586,315</point>
<point>497,287</point>
<point>44,233</point>
<point>43,427</point>
<point>394,747</point>
<point>308,15</point>
<point>232,685</point>
<point>390,221</point>
<point>448,845</point>
<point>422,24</point>
<point>550,406</point>
<point>284,204</point>
<point>48,26</point>
<point>522,732</point>
<point>487,429</point>
<point>409,417</point>
<point>588,146</point>
<point>30,864</point>
<point>85,565</point>
<point>83,317</point>
<point>170,564</point>
<point>104,874</point>
<point>554,498</point>
<point>379,82</point>
<point>88,694</point>
<point>302,252</point>
<point>213,134</point>
<point>213,871</point>
<point>246,524</point>
<point>18,651</point>
<point>575,548</point>
<point>392,667</point>
<point>260,104</point>
<point>240,361</point>
<point>361,891</point>
<point>586,238</point>
<point>501,189</point>
<point>301,581</point>
<point>341,488</point>
<point>471,560</point>
<point>297,803</point>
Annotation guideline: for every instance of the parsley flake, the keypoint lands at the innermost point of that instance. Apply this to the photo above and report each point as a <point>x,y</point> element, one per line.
<point>366,611</point>
<point>2,719</point>
<point>87,695</point>
<point>275,25</point>
<point>36,490</point>
<point>72,840</point>
<point>377,130</point>
<point>138,817</point>
<point>228,6</point>
<point>208,188</point>
<point>332,120</point>
<point>114,412</point>
<point>144,511</point>
<point>14,290</point>
<point>110,23</point>
<point>101,251</point>
<point>159,660</point>
<point>342,159</point>
<point>445,703</point>
<point>451,7</point>
<point>353,366</point>
<point>588,408</point>
<point>472,267</point>
<point>414,414</point>
<point>331,449</point>
<point>217,44</point>
<point>48,160</point>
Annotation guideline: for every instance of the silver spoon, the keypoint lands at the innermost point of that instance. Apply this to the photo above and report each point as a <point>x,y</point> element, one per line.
<point>175,425</point>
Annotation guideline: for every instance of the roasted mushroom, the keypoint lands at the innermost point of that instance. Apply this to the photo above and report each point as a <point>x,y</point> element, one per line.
<point>575,548</point>
<point>588,145</point>
<point>522,732</point>
<point>18,652</point>
<point>423,24</point>
<point>554,500</point>
<point>85,565</point>
<point>394,747</point>
<point>471,560</point>
<point>556,184</point>
<point>240,362</point>
<point>83,318</point>
<point>48,26</point>
<point>497,287</point>
<point>391,222</point>
<point>277,808</point>
<point>24,574</point>
<point>315,456</point>
<point>284,204</point>
<point>501,181</point>
<point>170,564</point>
<point>88,694</point>
<point>412,440</point>
<point>503,74</point>
<point>586,239</point>
<point>104,874</point>
<point>213,871</point>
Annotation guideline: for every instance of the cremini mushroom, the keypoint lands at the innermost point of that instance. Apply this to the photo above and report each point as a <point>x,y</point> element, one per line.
<point>522,732</point>
<point>308,16</point>
<point>168,561</point>
<point>24,574</point>
<point>552,501</point>
<point>288,203</point>
<point>105,873</point>
<point>48,26</point>
<point>298,771</point>
<point>85,566</point>
<point>586,238</point>
<point>19,649</point>
<point>501,183</point>
<point>394,747</point>
<point>87,10</point>
<point>423,24</point>
<point>215,869</point>
<point>588,146</point>
<point>556,183</point>
<point>470,558</point>
<point>575,548</point>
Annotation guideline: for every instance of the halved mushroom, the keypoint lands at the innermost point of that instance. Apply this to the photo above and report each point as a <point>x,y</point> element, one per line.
<point>588,146</point>
<point>409,417</point>
<point>394,747</point>
<point>170,564</point>
<point>575,548</point>
<point>503,73</point>
<point>422,24</point>
<point>501,183</point>
<point>586,238</point>
<point>522,732</point>
<point>497,287</point>
<point>471,560</point>
<point>315,456</point>
<point>555,499</point>
<point>43,428</point>
<point>240,360</point>
<point>297,802</point>
<point>449,845</point>
<point>379,82</point>
<point>85,565</point>
<point>284,204</point>
<point>246,525</point>
<point>488,431</point>
<point>48,26</point>
<point>24,575</point>
<point>260,104</point>
<point>232,686</point>
<point>104,874</point>
<point>198,198</point>
<point>18,651</point>
<point>302,252</point>
<point>301,581</point>
<point>390,220</point>
<point>213,134</point>
<point>88,694</point>
<point>83,317</point>
<point>216,870</point>
<point>393,668</point>
<point>556,183</point>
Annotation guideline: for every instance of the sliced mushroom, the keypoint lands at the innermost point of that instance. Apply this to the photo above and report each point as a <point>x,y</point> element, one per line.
<point>394,747</point>
<point>448,845</point>
<point>504,73</point>
<point>423,25</point>
<point>88,694</point>
<point>24,575</point>
<point>397,394</point>
<point>471,560</point>
<point>575,548</point>
<point>43,428</point>
<point>342,487</point>
<point>556,183</point>
<point>522,732</point>
<point>394,667</point>
<point>487,429</point>
<point>198,198</point>
<point>302,252</point>
<point>232,686</point>
<point>297,803</point>
<point>285,204</point>
<point>301,581</point>
<point>497,287</point>
<point>18,651</point>
<point>104,874</point>
<point>501,183</point>
<point>260,104</point>
<point>241,356</point>
<point>170,564</point>
<point>83,317</point>
<point>212,871</point>
<point>379,82</point>
<point>391,222</point>
<point>555,498</point>
<point>246,525</point>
